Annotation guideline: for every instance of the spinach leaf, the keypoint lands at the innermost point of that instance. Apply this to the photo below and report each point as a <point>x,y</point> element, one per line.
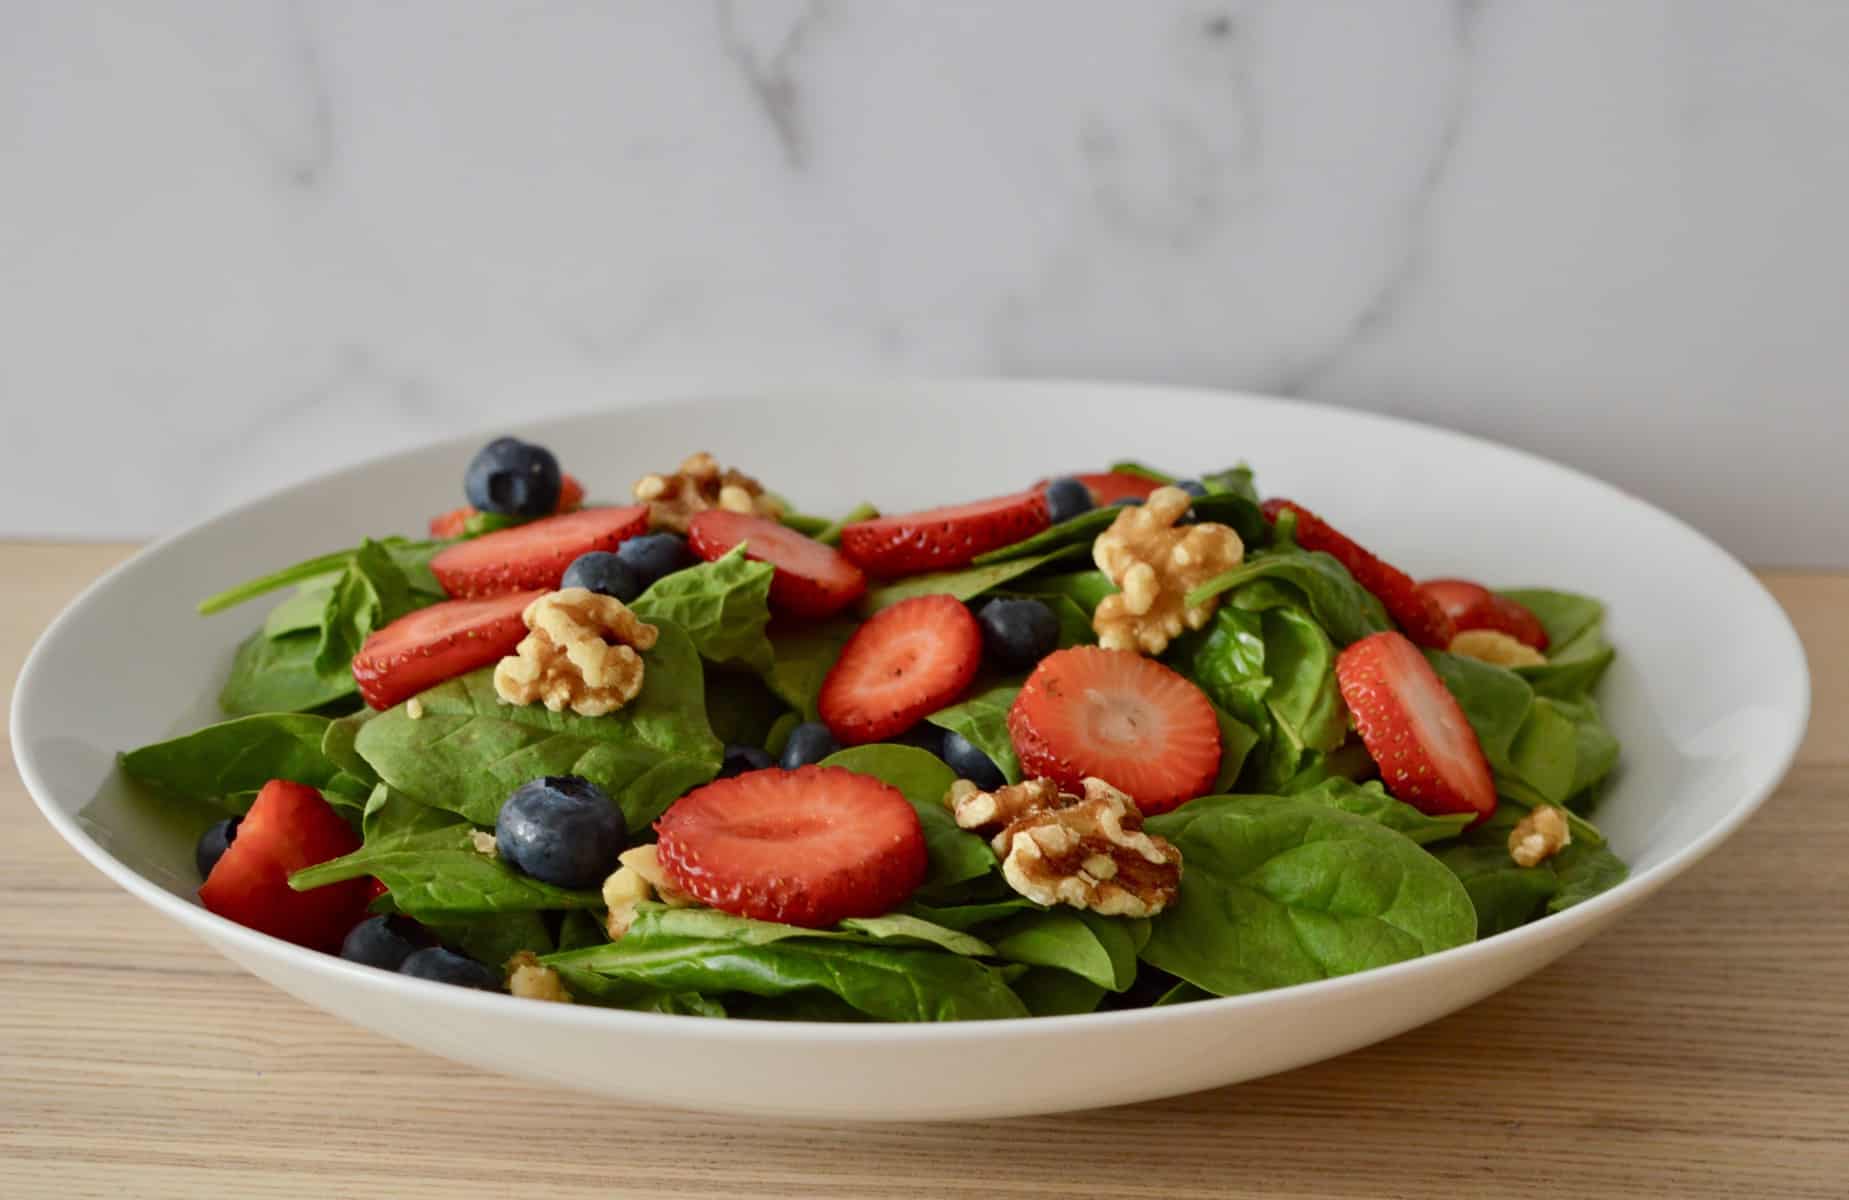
<point>1346,611</point>
<point>1052,993</point>
<point>1099,949</point>
<point>983,719</point>
<point>588,987</point>
<point>1083,588</point>
<point>965,583</point>
<point>802,657</point>
<point>724,606</point>
<point>1584,870</point>
<point>1234,480</point>
<point>338,748</point>
<point>955,855</point>
<point>887,982</point>
<point>1577,652</point>
<point>493,939</point>
<point>1140,470</point>
<point>830,535</point>
<point>370,592</point>
<point>469,750</point>
<point>278,675</point>
<point>1304,698</point>
<point>1371,800</point>
<point>1504,895</point>
<point>412,559</point>
<point>1278,891</point>
<point>740,709</point>
<point>1226,660</point>
<point>1182,993</point>
<point>304,610</point>
<point>237,757</point>
<point>806,525</point>
<point>1236,743</point>
<point>1074,531</point>
<point>581,928</point>
<point>968,916</point>
<point>905,929</point>
<point>428,860</point>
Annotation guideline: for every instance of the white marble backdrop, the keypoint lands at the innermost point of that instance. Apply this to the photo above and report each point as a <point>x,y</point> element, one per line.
<point>245,240</point>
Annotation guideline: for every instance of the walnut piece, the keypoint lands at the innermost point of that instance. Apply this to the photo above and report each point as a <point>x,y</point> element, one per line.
<point>1156,563</point>
<point>484,844</point>
<point>1539,836</point>
<point>1090,852</point>
<point>639,878</point>
<point>581,654</point>
<point>990,812</point>
<point>1495,647</point>
<point>529,979</point>
<point>700,485</point>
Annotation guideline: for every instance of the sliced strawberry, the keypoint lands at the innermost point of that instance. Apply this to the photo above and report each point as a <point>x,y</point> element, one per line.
<point>811,847</point>
<point>1473,606</point>
<point>907,661</point>
<point>812,580</point>
<point>1412,727</point>
<point>1107,487</point>
<point>1124,718</point>
<point>421,649</point>
<point>289,828</point>
<point>455,522</point>
<point>533,555</point>
<point>1414,612</point>
<point>939,538</point>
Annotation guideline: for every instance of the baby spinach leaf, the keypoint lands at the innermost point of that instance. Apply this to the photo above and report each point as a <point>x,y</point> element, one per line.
<point>412,559</point>
<point>1226,660</point>
<point>1083,588</point>
<point>965,583</point>
<point>724,606</point>
<point>1566,617</point>
<point>1182,993</point>
<point>969,916</point>
<point>1346,611</point>
<point>802,658</point>
<point>893,928</point>
<point>1584,870</point>
<point>1279,890</point>
<point>955,855</point>
<point>469,750</point>
<point>905,929</point>
<point>1099,949</point>
<point>1236,743</point>
<point>581,928</point>
<point>983,720</point>
<point>337,747</point>
<point>278,675</point>
<point>1235,480</point>
<point>369,592</point>
<point>1140,470</point>
<point>1054,993</point>
<point>236,756</point>
<point>804,524</point>
<point>588,987</point>
<point>1371,800</point>
<point>304,610</point>
<point>493,939</point>
<point>1503,895</point>
<point>1074,531</point>
<point>1304,698</point>
<point>740,709</point>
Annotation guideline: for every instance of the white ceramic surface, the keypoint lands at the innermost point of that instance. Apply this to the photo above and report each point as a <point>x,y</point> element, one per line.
<point>245,243</point>
<point>1710,695</point>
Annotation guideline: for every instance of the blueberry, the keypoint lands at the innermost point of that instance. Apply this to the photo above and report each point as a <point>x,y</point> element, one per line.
<point>383,942</point>
<point>603,573</point>
<point>809,742</point>
<point>1018,633</point>
<point>513,477</point>
<point>739,759</point>
<point>656,554</point>
<point>970,763</point>
<point>213,843</point>
<point>446,966</point>
<point>1066,499</point>
<point>562,830</point>
<point>1193,487</point>
<point>926,737</point>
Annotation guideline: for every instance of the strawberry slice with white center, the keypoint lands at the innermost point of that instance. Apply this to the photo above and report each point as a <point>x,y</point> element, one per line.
<point>1412,610</point>
<point>906,662</point>
<point>811,579</point>
<point>940,538</point>
<point>1473,606</point>
<point>1412,727</point>
<point>421,649</point>
<point>533,555</point>
<point>809,847</point>
<point>1129,720</point>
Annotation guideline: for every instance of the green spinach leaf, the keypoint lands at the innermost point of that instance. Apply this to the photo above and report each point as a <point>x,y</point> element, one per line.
<point>1371,800</point>
<point>955,855</point>
<point>724,606</point>
<point>278,675</point>
<point>1344,609</point>
<point>1503,895</point>
<point>965,583</point>
<point>983,720</point>
<point>802,657</point>
<point>1084,588</point>
<point>1048,992</point>
<point>1099,949</point>
<point>237,757</point>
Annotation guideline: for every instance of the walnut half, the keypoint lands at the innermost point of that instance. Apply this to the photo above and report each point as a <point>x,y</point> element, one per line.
<point>1495,647</point>
<point>581,654</point>
<point>1539,836</point>
<point>1156,563</point>
<point>699,485</point>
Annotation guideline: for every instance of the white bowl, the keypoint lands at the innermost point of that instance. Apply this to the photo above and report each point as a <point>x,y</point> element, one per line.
<point>1710,695</point>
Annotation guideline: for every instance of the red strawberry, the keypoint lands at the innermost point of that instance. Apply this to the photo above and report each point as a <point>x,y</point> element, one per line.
<point>454,523</point>
<point>812,846</point>
<point>812,580</point>
<point>939,538</point>
<point>1416,613</point>
<point>289,828</point>
<point>1412,727</point>
<point>1473,606</point>
<point>1108,486</point>
<point>907,661</point>
<point>1124,718</point>
<point>421,649</point>
<point>533,555</point>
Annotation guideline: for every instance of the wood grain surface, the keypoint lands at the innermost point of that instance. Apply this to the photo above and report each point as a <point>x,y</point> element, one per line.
<point>1699,1049</point>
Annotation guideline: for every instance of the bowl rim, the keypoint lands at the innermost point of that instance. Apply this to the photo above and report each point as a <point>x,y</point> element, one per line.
<point>216,929</point>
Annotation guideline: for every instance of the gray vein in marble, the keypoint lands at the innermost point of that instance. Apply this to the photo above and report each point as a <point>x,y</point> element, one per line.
<point>311,169</point>
<point>765,55</point>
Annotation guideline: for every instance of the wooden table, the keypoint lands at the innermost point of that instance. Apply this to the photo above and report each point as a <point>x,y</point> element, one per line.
<point>1702,1048</point>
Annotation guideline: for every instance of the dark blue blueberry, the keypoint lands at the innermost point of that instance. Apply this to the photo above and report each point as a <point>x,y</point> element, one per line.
<point>926,737</point>
<point>446,966</point>
<point>604,573</point>
<point>383,942</point>
<point>513,477</point>
<point>656,554</point>
<point>1018,633</point>
<point>1066,499</point>
<point>1193,487</point>
<point>213,843</point>
<point>739,759</point>
<point>809,742</point>
<point>970,763</point>
<point>561,830</point>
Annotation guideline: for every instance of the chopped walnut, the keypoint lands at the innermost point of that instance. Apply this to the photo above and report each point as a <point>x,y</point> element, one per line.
<point>1090,853</point>
<point>989,812</point>
<point>644,861</point>
<point>622,893</point>
<point>581,654</point>
<point>1156,563</point>
<point>484,843</point>
<point>529,979</point>
<point>1539,836</point>
<point>700,485</point>
<point>414,708</point>
<point>1495,647</point>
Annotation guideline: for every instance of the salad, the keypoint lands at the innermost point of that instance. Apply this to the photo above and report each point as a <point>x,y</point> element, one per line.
<point>1117,739</point>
